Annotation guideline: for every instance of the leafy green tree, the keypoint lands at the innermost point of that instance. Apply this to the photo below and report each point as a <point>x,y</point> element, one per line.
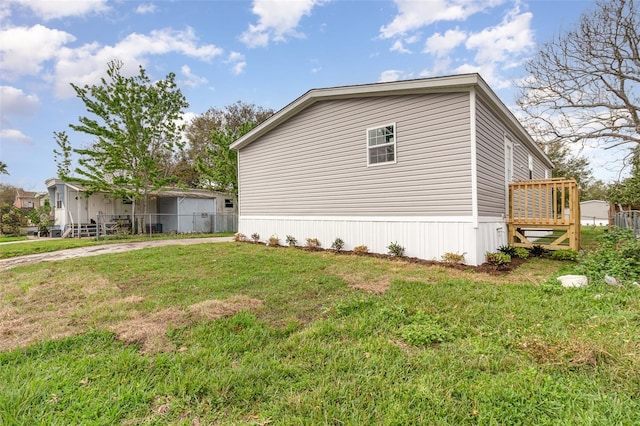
<point>41,217</point>
<point>134,123</point>
<point>3,168</point>
<point>568,165</point>
<point>627,191</point>
<point>7,193</point>
<point>595,190</point>
<point>218,165</point>
<point>208,126</point>
<point>11,219</point>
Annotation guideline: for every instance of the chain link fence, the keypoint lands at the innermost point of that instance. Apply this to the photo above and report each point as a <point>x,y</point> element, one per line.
<point>151,223</point>
<point>628,219</point>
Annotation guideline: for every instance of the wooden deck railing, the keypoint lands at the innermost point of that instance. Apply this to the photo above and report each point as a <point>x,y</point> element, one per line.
<point>551,205</point>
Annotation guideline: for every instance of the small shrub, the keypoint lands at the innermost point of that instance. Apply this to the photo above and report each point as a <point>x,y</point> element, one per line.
<point>313,243</point>
<point>361,250</point>
<point>395,249</point>
<point>508,249</point>
<point>498,259</point>
<point>537,251</point>
<point>564,255</point>
<point>338,244</point>
<point>274,241</point>
<point>291,241</point>
<point>255,237</point>
<point>239,237</point>
<point>453,258</point>
<point>522,253</point>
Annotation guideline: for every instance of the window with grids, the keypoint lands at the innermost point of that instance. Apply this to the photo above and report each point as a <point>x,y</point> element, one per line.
<point>381,144</point>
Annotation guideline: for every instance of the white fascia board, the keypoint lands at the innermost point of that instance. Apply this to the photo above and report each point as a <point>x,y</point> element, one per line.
<point>461,82</point>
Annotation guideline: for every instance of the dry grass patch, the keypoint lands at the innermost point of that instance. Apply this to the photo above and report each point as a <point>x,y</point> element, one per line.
<point>573,353</point>
<point>215,309</point>
<point>149,330</point>
<point>46,305</point>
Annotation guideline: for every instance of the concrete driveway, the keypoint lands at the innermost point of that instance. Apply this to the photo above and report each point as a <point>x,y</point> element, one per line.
<point>102,249</point>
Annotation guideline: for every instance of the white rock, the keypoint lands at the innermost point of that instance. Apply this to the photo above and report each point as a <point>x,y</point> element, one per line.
<point>612,280</point>
<point>573,280</point>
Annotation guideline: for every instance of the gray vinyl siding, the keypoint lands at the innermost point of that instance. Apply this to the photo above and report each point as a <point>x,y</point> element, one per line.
<point>490,135</point>
<point>316,162</point>
<point>490,162</point>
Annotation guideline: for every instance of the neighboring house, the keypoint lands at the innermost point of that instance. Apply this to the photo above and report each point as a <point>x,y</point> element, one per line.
<point>425,163</point>
<point>594,212</point>
<point>168,211</point>
<point>27,200</point>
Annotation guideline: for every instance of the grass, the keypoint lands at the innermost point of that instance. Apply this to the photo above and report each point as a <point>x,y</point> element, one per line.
<point>45,245</point>
<point>247,334</point>
<point>5,239</point>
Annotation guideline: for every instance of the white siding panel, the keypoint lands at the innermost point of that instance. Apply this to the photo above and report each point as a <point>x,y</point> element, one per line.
<point>316,162</point>
<point>424,238</point>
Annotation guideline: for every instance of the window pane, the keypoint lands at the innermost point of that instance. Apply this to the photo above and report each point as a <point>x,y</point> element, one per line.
<point>381,142</point>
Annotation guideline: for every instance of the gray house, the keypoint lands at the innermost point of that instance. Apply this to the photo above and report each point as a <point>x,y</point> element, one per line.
<point>425,163</point>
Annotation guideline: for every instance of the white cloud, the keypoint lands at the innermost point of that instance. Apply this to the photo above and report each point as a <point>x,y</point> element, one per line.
<point>86,64</point>
<point>192,80</point>
<point>500,43</point>
<point>277,20</point>
<point>48,9</point>
<point>14,135</point>
<point>238,64</point>
<point>399,47</point>
<point>441,44</point>
<point>390,75</point>
<point>146,8</point>
<point>15,102</point>
<point>24,49</point>
<point>413,15</point>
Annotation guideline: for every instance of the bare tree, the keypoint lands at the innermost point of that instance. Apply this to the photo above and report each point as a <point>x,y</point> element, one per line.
<point>584,85</point>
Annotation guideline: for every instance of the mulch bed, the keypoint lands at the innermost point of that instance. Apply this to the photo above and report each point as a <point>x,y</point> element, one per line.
<point>485,268</point>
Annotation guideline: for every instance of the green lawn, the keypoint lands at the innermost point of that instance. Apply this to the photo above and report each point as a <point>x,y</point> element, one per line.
<point>238,333</point>
<point>45,245</point>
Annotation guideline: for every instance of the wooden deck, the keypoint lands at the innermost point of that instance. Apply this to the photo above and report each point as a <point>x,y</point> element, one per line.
<point>544,212</point>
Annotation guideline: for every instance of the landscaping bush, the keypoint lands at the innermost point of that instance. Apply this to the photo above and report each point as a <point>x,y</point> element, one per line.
<point>521,253</point>
<point>313,243</point>
<point>338,244</point>
<point>453,258</point>
<point>274,241</point>
<point>508,249</point>
<point>395,249</point>
<point>291,241</point>
<point>239,237</point>
<point>255,237</point>
<point>498,259</point>
<point>537,251</point>
<point>361,249</point>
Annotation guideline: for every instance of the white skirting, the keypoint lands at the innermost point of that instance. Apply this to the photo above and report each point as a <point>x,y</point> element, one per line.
<point>422,237</point>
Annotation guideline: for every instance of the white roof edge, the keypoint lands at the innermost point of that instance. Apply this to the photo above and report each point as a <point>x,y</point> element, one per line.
<point>423,85</point>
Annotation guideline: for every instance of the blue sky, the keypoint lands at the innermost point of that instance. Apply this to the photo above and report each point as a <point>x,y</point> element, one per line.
<point>266,52</point>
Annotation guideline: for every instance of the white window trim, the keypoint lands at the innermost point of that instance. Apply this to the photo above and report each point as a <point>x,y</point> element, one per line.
<point>395,144</point>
